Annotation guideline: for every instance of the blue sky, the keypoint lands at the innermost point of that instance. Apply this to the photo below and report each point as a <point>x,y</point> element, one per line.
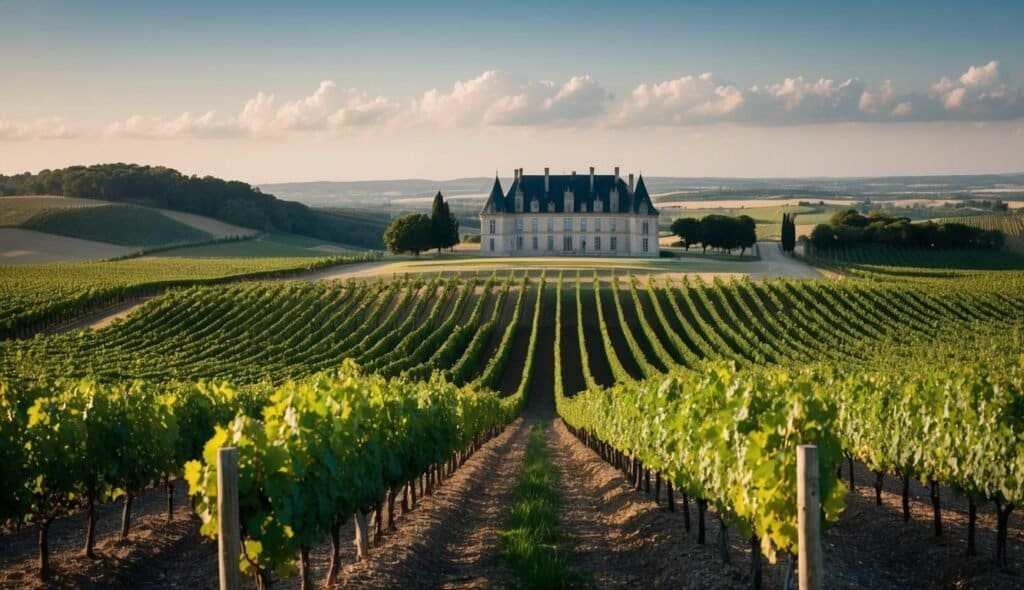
<point>116,79</point>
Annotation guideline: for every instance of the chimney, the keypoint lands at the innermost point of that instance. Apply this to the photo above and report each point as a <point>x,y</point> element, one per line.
<point>515,174</point>
<point>546,179</point>
<point>616,175</point>
<point>574,174</point>
<point>630,183</point>
<point>591,179</point>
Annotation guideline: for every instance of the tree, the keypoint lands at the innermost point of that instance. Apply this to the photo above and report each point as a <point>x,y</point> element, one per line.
<point>744,232</point>
<point>788,232</point>
<point>444,225</point>
<point>688,230</point>
<point>822,237</point>
<point>410,233</point>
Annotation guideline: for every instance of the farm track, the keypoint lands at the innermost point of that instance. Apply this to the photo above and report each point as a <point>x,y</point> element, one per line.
<point>451,539</point>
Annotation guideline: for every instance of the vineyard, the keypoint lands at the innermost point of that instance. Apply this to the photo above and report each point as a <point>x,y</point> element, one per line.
<point>33,297</point>
<point>705,388</point>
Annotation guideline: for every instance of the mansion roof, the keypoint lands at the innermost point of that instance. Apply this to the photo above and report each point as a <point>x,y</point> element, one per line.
<point>580,192</point>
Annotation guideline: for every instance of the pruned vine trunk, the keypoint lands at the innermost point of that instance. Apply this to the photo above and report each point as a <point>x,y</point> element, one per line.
<point>701,508</point>
<point>391,508</point>
<point>755,563</point>
<point>44,551</point>
<point>936,507</point>
<point>972,523</point>
<point>1003,521</point>
<point>849,459</point>
<point>906,498</point>
<point>335,569</point>
<point>90,528</point>
<point>126,516</point>
<point>879,480</point>
<point>362,540</point>
<point>170,500</point>
<point>686,512</point>
<point>723,539</point>
<point>305,572</point>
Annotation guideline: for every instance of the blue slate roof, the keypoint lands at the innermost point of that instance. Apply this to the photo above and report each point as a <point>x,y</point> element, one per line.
<point>532,186</point>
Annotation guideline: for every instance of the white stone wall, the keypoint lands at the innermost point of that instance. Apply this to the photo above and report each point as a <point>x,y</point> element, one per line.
<point>591,234</point>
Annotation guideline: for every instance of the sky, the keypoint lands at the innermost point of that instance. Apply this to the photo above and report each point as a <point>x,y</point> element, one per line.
<point>273,92</point>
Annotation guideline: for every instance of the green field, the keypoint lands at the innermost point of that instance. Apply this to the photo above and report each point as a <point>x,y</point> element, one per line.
<point>125,225</point>
<point>768,218</point>
<point>272,245</point>
<point>17,210</point>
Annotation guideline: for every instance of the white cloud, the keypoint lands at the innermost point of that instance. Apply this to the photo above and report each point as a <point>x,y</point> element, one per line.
<point>981,76</point>
<point>979,94</point>
<point>496,98</point>
<point>327,110</point>
<point>687,99</point>
<point>46,128</point>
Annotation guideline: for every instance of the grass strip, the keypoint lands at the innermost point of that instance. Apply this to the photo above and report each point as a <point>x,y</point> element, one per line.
<point>529,540</point>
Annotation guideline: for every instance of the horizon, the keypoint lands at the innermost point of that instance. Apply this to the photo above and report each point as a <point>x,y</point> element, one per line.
<point>317,91</point>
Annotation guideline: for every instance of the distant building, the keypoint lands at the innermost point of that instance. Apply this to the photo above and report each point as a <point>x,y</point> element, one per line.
<point>591,215</point>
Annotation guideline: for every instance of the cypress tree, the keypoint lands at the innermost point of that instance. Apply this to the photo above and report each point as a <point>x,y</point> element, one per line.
<point>788,232</point>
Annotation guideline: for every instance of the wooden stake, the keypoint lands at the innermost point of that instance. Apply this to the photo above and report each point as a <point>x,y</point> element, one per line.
<point>808,501</point>
<point>228,528</point>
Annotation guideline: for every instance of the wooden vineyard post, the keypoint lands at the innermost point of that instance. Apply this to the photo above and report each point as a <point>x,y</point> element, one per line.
<point>808,504</point>
<point>228,529</point>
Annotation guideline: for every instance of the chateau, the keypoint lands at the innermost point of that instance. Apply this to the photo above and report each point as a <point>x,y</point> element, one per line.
<point>591,215</point>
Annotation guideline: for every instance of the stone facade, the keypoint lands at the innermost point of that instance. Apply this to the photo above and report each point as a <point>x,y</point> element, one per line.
<point>565,215</point>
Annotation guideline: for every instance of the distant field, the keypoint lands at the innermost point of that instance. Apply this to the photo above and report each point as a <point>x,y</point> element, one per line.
<point>215,228</point>
<point>265,246</point>
<point>23,246</point>
<point>124,225</point>
<point>17,210</point>
<point>768,218</point>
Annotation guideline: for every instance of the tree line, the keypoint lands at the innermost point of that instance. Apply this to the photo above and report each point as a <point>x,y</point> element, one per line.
<point>717,231</point>
<point>417,232</point>
<point>231,201</point>
<point>850,228</point>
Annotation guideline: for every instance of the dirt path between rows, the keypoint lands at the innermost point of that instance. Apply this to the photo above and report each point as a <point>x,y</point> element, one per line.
<point>616,537</point>
<point>451,539</point>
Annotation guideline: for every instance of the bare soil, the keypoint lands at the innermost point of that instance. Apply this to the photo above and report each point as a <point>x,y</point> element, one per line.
<point>451,539</point>
<point>513,374</point>
<point>572,368</point>
<point>611,320</point>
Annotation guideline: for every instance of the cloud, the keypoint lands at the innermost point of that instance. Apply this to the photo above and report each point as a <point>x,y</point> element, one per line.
<point>496,98</point>
<point>690,99</point>
<point>499,99</point>
<point>46,128</point>
<point>327,110</point>
<point>979,94</point>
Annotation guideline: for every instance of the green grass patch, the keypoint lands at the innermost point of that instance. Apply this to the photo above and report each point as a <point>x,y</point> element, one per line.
<point>124,225</point>
<point>529,540</point>
<point>266,246</point>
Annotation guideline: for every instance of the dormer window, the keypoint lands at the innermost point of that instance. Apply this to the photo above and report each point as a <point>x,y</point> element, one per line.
<point>597,205</point>
<point>583,207</point>
<point>551,207</point>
